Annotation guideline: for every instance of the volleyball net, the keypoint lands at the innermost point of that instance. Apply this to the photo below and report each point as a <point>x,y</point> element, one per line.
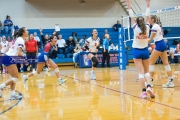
<point>169,19</point>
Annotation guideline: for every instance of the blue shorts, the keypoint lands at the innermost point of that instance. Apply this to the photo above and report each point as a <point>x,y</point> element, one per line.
<point>41,58</point>
<point>161,46</point>
<point>7,60</point>
<point>141,53</point>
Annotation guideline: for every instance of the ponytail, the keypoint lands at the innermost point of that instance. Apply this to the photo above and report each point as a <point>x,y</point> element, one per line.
<point>19,33</point>
<point>141,24</point>
<point>15,34</point>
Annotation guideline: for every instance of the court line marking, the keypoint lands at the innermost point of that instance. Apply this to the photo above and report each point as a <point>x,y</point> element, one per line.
<point>126,93</point>
<point>12,105</point>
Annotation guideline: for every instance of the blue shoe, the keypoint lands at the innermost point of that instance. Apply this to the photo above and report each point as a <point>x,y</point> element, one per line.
<point>25,78</point>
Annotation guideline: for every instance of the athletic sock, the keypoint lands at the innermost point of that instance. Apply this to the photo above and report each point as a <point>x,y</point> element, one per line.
<point>12,92</point>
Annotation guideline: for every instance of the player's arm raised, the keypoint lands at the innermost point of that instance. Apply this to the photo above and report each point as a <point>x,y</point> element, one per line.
<point>131,13</point>
<point>147,14</point>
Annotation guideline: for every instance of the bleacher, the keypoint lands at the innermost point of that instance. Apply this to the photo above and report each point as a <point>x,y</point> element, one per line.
<point>80,32</point>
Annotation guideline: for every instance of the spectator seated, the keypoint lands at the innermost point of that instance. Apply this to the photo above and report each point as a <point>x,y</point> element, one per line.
<point>8,24</point>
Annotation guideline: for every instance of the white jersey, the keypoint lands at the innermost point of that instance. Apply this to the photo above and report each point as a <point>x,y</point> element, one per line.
<point>140,41</point>
<point>93,44</point>
<point>19,42</point>
<point>4,46</point>
<point>37,39</point>
<point>157,29</point>
<point>61,43</point>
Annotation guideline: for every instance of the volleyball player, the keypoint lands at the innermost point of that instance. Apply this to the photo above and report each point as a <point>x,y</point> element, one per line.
<point>93,43</point>
<point>160,50</point>
<point>15,50</point>
<point>44,58</point>
<point>4,45</point>
<point>140,49</point>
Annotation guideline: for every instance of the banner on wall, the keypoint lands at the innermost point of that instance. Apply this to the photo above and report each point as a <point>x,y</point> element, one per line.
<point>162,10</point>
<point>57,27</point>
<point>85,62</point>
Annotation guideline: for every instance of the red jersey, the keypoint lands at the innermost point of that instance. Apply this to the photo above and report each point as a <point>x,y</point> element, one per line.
<point>31,45</point>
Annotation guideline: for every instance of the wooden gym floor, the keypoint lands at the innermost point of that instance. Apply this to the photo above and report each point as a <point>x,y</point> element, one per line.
<point>113,96</point>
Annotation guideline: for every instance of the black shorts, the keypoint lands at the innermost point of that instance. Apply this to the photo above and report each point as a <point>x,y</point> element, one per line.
<point>94,53</point>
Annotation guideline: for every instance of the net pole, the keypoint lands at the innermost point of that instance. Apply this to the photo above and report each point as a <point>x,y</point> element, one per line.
<point>122,54</point>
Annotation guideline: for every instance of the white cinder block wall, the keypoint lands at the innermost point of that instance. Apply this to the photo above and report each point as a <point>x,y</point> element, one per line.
<point>70,13</point>
<point>67,13</point>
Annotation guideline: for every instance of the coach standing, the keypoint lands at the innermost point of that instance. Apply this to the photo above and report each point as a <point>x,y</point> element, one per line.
<point>106,55</point>
<point>31,50</point>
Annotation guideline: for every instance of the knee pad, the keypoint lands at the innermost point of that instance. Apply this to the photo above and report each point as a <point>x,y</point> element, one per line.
<point>95,61</point>
<point>14,79</point>
<point>141,76</point>
<point>147,75</point>
<point>151,68</point>
<point>167,68</point>
<point>56,70</point>
<point>34,73</point>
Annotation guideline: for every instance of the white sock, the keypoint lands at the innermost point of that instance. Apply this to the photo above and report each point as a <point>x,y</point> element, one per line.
<point>13,92</point>
<point>2,85</point>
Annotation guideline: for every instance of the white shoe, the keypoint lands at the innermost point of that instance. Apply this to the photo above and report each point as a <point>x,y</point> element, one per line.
<point>25,78</point>
<point>28,68</point>
<point>61,81</point>
<point>169,84</point>
<point>15,97</point>
<point>47,70</point>
<point>44,69</point>
<point>92,76</point>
